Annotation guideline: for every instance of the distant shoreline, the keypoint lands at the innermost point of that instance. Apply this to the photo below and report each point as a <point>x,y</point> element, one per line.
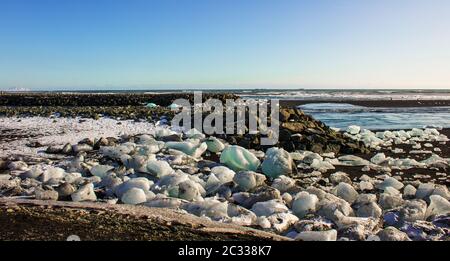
<point>165,99</point>
<point>372,103</point>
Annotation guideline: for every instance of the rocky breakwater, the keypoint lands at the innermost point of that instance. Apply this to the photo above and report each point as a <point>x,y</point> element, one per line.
<point>299,131</point>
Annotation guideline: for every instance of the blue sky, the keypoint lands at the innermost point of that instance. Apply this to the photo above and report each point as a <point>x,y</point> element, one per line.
<point>109,44</point>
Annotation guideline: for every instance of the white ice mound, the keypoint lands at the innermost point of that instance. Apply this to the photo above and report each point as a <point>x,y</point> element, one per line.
<point>159,168</point>
<point>214,145</point>
<point>142,183</point>
<point>304,203</point>
<point>52,173</point>
<point>134,196</point>
<point>351,160</point>
<point>194,134</point>
<point>210,207</point>
<point>353,129</point>
<point>278,162</point>
<point>346,192</point>
<point>378,159</point>
<point>84,193</point>
<point>190,148</point>
<point>101,170</point>
<point>223,173</point>
<point>438,206</point>
<point>238,158</point>
<point>267,208</point>
<point>164,132</point>
<point>247,180</point>
<point>390,182</point>
<point>283,183</point>
<point>329,235</point>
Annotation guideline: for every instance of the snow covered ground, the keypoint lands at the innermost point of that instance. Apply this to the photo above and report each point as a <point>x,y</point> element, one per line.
<point>16,133</point>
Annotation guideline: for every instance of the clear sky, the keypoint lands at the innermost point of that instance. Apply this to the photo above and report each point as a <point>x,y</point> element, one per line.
<point>107,44</point>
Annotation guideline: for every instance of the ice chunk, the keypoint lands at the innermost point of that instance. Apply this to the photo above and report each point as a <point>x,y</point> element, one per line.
<point>304,203</point>
<point>192,149</point>
<point>188,190</point>
<point>409,191</point>
<point>34,172</point>
<point>353,129</point>
<point>210,207</point>
<point>413,210</point>
<point>278,162</point>
<point>224,174</point>
<point>52,173</point>
<point>101,170</point>
<point>321,166</point>
<point>267,208</point>
<point>339,177</point>
<point>238,158</point>
<point>390,182</point>
<point>329,235</point>
<point>142,183</point>
<point>214,145</point>
<point>247,180</point>
<point>365,185</point>
<point>378,159</point>
<point>352,160</point>
<point>84,193</point>
<point>159,168</point>
<point>438,206</point>
<point>424,190</point>
<point>281,222</point>
<point>369,209</point>
<point>283,183</point>
<point>151,105</point>
<point>134,196</point>
<point>346,192</point>
<point>194,134</point>
<point>138,162</point>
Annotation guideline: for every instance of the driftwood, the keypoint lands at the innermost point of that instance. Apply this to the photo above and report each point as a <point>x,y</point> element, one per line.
<point>24,219</point>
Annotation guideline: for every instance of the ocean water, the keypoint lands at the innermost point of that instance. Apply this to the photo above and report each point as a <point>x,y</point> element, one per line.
<point>344,115</point>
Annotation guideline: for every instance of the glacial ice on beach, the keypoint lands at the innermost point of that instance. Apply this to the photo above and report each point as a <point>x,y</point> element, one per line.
<point>438,206</point>
<point>190,148</point>
<point>134,196</point>
<point>329,235</point>
<point>84,193</point>
<point>268,208</point>
<point>238,158</point>
<point>101,170</point>
<point>390,182</point>
<point>278,162</point>
<point>141,183</point>
<point>304,203</point>
<point>353,129</point>
<point>159,168</point>
<point>214,145</point>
